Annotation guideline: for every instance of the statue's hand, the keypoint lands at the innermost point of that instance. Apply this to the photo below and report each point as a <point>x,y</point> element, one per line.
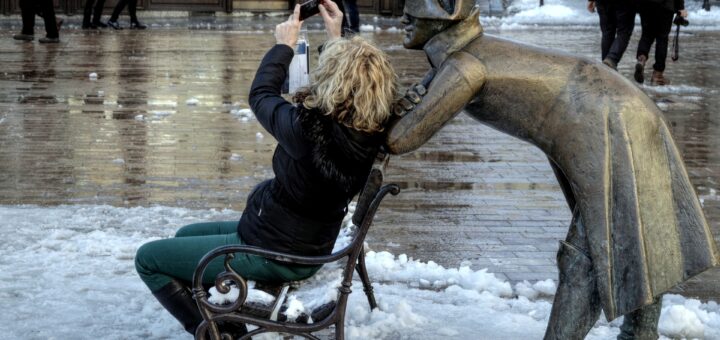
<point>413,96</point>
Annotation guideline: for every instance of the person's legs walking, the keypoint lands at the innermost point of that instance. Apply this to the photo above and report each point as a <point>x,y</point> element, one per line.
<point>608,25</point>
<point>87,23</point>
<point>663,27</point>
<point>27,10</point>
<point>97,14</point>
<point>132,10</point>
<point>353,16</point>
<point>51,25</point>
<point>646,40</point>
<point>625,20</point>
<point>112,22</point>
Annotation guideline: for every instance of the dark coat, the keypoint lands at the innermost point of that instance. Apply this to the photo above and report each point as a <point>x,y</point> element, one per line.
<point>670,5</point>
<point>319,167</point>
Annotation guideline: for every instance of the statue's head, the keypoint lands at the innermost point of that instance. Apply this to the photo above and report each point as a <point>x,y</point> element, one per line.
<point>423,19</point>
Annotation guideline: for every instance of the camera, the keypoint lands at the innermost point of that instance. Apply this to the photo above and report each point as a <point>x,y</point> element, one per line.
<point>309,8</point>
<point>681,21</point>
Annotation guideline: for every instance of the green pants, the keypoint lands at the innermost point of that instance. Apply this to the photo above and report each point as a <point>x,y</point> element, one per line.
<point>158,262</point>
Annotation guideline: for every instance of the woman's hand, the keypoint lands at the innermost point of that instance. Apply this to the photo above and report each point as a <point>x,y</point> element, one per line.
<point>591,6</point>
<point>683,13</point>
<point>332,16</point>
<point>287,32</point>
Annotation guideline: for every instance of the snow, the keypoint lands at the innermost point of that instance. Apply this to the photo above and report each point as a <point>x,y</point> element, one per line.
<point>243,115</point>
<point>534,290</point>
<point>526,14</point>
<point>564,14</point>
<point>67,272</point>
<point>673,89</point>
<point>93,76</point>
<point>192,101</point>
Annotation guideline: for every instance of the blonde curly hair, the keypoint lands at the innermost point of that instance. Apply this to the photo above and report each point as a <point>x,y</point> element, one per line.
<point>354,83</point>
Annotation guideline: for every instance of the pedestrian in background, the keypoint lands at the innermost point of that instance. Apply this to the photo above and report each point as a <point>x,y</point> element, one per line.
<point>351,16</point>
<point>132,11</point>
<point>44,9</point>
<point>96,14</point>
<point>617,21</point>
<point>656,18</point>
<point>351,20</point>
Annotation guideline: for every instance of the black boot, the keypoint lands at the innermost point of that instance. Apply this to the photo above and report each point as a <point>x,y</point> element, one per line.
<point>114,24</point>
<point>99,24</point>
<point>136,25</point>
<point>177,299</point>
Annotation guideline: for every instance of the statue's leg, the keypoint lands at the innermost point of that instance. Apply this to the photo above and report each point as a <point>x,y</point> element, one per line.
<point>642,323</point>
<point>576,307</point>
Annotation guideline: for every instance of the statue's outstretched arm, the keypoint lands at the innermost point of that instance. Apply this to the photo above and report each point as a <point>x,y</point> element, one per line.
<point>457,81</point>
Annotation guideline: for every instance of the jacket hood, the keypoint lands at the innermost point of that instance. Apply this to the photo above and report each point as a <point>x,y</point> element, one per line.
<point>341,154</point>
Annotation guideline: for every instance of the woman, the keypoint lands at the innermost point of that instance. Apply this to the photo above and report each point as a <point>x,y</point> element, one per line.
<point>132,11</point>
<point>326,146</point>
<point>656,19</point>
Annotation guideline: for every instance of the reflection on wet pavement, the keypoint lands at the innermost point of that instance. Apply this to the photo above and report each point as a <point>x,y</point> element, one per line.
<point>160,117</point>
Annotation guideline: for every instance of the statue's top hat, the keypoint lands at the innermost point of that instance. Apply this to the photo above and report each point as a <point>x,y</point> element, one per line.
<point>439,9</point>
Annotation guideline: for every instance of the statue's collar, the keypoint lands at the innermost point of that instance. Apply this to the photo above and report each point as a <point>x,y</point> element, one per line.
<point>439,47</point>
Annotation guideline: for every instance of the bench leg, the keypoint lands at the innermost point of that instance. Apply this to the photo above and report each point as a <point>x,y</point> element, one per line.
<point>340,327</point>
<point>367,286</point>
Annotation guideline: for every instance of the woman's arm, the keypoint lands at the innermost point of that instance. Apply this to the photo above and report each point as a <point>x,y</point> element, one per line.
<point>274,113</point>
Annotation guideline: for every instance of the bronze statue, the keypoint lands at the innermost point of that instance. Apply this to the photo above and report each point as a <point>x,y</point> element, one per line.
<point>637,228</point>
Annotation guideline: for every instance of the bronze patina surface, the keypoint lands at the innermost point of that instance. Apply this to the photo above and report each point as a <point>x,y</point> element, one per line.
<point>640,221</point>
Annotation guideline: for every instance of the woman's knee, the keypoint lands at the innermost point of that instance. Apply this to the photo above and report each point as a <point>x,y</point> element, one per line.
<point>188,230</point>
<point>144,264</point>
<point>207,228</point>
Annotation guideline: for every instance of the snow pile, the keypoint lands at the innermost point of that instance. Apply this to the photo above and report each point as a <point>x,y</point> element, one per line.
<point>527,13</point>
<point>253,295</point>
<point>522,14</point>
<point>71,270</point>
<point>534,290</point>
<point>673,89</point>
<point>700,18</point>
<point>243,115</point>
<point>689,318</point>
<point>430,275</point>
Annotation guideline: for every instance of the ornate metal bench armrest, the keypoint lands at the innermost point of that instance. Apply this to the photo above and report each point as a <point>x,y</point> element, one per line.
<point>231,275</point>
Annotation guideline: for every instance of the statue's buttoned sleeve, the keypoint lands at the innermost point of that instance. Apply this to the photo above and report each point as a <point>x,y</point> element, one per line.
<point>457,81</point>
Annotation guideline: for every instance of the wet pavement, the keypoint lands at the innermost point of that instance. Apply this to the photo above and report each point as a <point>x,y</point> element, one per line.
<point>165,122</point>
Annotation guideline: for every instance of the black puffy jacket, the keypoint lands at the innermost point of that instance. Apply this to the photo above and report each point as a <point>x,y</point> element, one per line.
<point>670,5</point>
<point>319,167</point>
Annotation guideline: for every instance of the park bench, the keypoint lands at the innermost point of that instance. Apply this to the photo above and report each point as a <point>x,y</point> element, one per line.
<point>269,317</point>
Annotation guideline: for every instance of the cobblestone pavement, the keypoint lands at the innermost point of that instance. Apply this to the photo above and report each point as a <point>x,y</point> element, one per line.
<point>164,123</point>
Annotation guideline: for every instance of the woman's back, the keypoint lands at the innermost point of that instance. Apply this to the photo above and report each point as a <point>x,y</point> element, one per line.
<point>326,144</point>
